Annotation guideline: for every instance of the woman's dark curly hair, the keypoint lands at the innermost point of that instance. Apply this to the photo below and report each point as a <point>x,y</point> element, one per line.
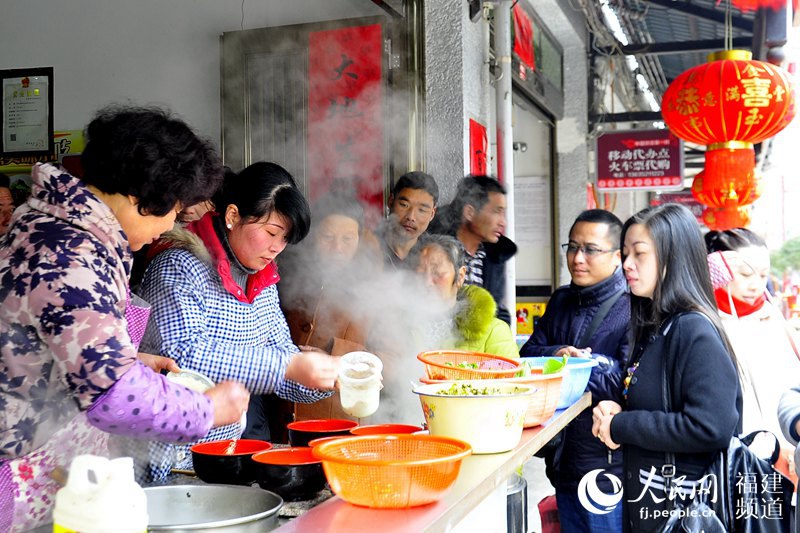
<point>146,153</point>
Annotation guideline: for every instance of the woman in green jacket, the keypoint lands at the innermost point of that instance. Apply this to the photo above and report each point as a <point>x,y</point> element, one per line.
<point>468,312</point>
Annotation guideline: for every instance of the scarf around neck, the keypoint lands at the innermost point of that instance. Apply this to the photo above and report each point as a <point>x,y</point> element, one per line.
<point>742,308</point>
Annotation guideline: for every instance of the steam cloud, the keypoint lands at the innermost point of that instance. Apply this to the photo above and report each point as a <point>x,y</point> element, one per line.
<point>398,311</point>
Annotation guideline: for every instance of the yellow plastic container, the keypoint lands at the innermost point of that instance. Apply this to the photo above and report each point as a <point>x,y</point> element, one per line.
<point>490,421</point>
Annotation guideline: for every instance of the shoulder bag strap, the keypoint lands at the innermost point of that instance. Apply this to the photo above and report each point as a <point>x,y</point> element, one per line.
<point>668,468</point>
<point>601,313</point>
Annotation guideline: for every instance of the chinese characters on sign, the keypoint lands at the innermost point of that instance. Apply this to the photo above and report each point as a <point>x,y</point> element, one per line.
<point>345,123</point>
<point>639,159</point>
<point>760,496</point>
<point>684,198</point>
<point>755,496</point>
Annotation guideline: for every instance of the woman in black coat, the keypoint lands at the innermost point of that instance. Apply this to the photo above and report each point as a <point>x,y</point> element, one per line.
<point>678,340</point>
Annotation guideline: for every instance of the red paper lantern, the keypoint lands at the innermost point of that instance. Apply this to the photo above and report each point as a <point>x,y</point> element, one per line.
<point>726,218</point>
<point>729,179</point>
<point>729,104</point>
<point>752,5</point>
<point>731,98</point>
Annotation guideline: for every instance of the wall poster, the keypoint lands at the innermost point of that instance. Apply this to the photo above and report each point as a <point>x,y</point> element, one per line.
<point>27,112</point>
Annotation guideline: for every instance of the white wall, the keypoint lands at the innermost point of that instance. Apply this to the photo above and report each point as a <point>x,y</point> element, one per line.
<point>143,51</point>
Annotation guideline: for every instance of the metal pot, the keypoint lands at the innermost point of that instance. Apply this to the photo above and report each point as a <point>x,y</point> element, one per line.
<point>517,504</point>
<point>211,508</point>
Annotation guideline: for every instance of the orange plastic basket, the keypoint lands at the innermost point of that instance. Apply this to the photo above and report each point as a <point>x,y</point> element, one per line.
<point>444,365</point>
<point>392,471</point>
<point>544,400</point>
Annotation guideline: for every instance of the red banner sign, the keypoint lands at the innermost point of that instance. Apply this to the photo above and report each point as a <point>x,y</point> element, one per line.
<point>345,123</point>
<point>478,149</point>
<point>523,37</point>
<point>640,159</point>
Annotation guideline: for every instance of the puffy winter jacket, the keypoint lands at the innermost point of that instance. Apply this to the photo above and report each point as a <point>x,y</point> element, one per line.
<point>568,315</point>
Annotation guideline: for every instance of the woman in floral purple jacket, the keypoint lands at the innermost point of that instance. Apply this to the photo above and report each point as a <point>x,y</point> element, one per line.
<point>69,371</point>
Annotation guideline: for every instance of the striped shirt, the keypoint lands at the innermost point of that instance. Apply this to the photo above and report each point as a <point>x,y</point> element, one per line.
<point>475,267</point>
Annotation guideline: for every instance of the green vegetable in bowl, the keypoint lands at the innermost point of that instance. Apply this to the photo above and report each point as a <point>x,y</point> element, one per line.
<point>464,364</point>
<point>553,366</point>
<point>467,389</point>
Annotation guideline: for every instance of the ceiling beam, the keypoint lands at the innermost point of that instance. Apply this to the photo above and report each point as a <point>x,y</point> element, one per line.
<point>631,116</point>
<point>396,11</point>
<point>675,47</point>
<point>705,13</point>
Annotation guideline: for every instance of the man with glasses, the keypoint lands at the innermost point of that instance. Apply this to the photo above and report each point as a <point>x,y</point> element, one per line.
<point>590,317</point>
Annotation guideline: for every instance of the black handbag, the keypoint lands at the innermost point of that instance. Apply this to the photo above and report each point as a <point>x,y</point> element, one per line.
<point>768,508</point>
<point>751,495</point>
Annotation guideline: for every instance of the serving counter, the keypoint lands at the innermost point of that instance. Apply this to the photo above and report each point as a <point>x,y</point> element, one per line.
<point>481,477</point>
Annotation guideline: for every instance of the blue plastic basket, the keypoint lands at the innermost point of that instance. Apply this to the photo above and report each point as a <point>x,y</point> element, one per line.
<point>576,377</point>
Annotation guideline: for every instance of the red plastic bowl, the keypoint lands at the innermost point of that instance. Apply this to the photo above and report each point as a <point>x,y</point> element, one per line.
<point>323,440</point>
<point>293,473</point>
<point>304,431</point>
<point>213,465</point>
<point>385,429</point>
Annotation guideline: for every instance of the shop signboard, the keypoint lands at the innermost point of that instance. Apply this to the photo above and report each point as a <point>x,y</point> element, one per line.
<point>640,160</point>
<point>684,198</point>
<point>65,143</point>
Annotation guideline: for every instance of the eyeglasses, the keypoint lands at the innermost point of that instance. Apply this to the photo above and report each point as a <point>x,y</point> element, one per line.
<point>588,251</point>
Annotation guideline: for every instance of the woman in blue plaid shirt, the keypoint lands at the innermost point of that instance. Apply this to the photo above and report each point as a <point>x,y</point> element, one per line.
<point>214,299</point>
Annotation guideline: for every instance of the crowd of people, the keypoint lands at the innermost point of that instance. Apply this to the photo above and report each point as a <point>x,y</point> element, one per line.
<point>157,258</point>
<point>84,356</point>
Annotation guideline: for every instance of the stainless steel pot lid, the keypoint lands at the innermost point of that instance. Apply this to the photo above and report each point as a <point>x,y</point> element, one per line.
<point>181,507</point>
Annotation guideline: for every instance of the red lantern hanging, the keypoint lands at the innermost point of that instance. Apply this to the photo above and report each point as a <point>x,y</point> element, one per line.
<point>726,218</point>
<point>752,5</point>
<point>726,180</point>
<point>729,104</point>
<point>731,98</point>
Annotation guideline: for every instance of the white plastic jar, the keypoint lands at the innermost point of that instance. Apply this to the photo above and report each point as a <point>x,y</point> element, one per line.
<point>101,495</point>
<point>360,383</point>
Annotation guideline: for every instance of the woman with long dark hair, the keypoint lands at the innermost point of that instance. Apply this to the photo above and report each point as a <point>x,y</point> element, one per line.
<point>679,343</point>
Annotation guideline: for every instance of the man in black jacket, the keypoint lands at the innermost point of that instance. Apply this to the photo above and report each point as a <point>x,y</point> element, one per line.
<point>477,218</point>
<point>589,317</point>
